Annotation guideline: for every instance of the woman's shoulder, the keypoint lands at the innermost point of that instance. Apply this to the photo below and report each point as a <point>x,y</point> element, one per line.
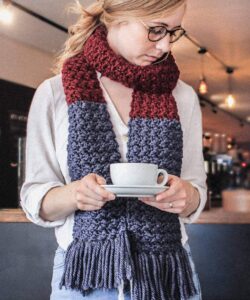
<point>187,102</point>
<point>51,84</point>
<point>185,96</point>
<point>53,89</point>
<point>56,86</point>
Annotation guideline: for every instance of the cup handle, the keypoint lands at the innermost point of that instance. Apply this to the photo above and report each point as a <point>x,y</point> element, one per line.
<point>165,176</point>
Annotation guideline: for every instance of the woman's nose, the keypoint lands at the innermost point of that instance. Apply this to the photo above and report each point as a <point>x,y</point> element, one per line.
<point>164,44</point>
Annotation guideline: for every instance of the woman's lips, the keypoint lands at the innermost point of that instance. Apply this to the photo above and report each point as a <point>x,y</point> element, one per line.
<point>151,58</point>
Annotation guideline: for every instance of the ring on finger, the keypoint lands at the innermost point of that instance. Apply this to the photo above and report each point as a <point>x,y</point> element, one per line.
<point>171,205</point>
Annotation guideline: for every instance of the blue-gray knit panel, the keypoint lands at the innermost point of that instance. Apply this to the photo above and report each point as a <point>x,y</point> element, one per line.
<point>157,141</point>
<point>92,146</point>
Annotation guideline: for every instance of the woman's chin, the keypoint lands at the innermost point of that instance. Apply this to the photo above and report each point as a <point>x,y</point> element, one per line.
<point>140,61</point>
<point>143,62</point>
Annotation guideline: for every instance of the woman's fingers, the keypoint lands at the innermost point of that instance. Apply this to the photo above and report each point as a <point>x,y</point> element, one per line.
<point>84,202</point>
<point>97,196</point>
<point>147,198</point>
<point>172,192</point>
<point>173,207</point>
<point>92,188</point>
<point>87,207</point>
<point>97,189</point>
<point>90,195</point>
<point>99,179</point>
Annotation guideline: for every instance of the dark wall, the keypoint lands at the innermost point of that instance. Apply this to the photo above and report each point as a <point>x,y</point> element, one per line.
<point>221,254</point>
<point>222,257</point>
<point>15,101</point>
<point>26,259</point>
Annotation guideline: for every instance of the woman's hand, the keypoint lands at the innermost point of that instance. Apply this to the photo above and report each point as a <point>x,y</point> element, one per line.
<point>181,198</point>
<point>90,195</point>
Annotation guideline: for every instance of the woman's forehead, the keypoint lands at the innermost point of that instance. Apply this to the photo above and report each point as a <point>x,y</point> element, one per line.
<point>170,20</point>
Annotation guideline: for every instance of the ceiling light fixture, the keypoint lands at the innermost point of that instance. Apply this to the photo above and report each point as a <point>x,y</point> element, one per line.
<point>203,87</point>
<point>6,15</point>
<point>230,100</point>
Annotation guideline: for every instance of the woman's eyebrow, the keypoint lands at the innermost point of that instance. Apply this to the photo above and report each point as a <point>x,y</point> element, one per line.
<point>165,24</point>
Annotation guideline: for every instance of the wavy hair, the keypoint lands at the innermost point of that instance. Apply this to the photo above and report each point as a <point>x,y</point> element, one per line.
<point>108,12</point>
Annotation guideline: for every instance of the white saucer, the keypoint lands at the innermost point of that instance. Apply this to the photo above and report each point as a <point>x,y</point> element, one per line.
<point>135,190</point>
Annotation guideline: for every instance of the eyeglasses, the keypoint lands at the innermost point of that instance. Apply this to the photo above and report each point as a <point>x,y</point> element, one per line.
<point>156,33</point>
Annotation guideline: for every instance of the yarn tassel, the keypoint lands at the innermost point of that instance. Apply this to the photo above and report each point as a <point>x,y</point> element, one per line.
<point>165,277</point>
<point>97,264</point>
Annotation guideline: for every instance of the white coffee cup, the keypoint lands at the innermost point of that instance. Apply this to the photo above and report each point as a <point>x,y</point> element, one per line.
<point>130,174</point>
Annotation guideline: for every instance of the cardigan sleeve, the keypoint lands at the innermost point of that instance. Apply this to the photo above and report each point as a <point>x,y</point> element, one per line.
<point>42,170</point>
<point>193,162</point>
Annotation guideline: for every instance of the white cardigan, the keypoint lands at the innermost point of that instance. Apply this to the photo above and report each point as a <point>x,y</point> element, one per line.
<point>46,150</point>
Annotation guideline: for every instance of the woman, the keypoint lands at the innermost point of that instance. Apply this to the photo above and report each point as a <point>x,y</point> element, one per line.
<point>118,98</point>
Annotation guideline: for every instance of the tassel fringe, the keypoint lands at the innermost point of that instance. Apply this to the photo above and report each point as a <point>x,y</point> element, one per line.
<point>93,265</point>
<point>97,265</point>
<point>164,277</point>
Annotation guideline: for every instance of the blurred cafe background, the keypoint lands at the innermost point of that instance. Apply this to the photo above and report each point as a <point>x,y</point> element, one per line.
<point>214,58</point>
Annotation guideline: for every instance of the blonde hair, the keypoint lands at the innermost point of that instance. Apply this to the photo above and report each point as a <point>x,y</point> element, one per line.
<point>108,12</point>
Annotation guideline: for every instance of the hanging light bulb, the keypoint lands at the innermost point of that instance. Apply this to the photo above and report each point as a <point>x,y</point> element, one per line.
<point>230,100</point>
<point>203,87</point>
<point>6,15</point>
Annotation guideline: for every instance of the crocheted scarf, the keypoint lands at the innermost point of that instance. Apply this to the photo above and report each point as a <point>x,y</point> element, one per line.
<point>126,242</point>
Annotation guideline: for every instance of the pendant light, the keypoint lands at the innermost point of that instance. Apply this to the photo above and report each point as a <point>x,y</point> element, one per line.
<point>230,100</point>
<point>6,15</point>
<point>203,87</point>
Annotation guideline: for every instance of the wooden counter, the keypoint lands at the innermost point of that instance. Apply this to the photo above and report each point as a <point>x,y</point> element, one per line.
<point>220,216</point>
<point>213,216</point>
<point>12,215</point>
